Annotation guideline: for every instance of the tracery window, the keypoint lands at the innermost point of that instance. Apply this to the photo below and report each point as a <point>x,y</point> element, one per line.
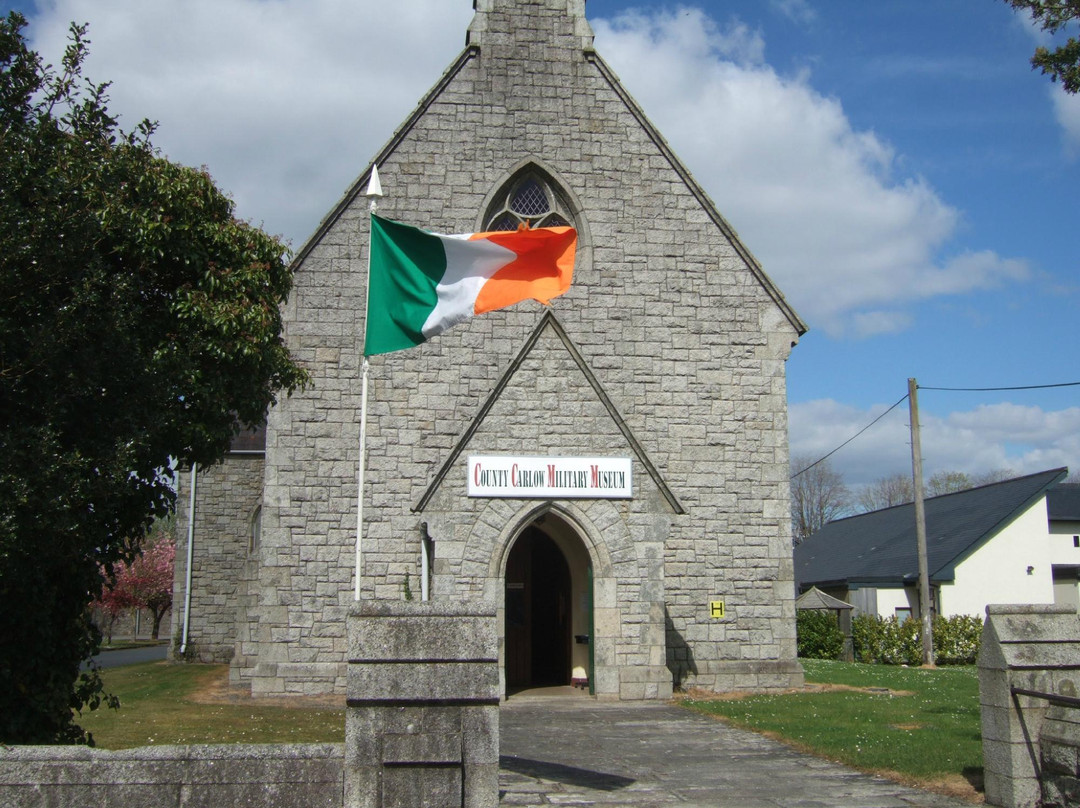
<point>528,199</point>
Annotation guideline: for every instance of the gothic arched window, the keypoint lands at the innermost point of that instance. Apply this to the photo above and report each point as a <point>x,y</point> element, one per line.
<point>529,198</point>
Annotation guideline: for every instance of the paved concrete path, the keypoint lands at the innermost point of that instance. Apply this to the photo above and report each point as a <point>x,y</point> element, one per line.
<point>131,656</point>
<point>575,751</point>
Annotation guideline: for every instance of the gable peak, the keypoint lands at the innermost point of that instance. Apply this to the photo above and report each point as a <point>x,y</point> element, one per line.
<point>535,20</point>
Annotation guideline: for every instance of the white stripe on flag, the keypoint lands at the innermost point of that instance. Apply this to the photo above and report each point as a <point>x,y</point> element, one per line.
<point>469,265</point>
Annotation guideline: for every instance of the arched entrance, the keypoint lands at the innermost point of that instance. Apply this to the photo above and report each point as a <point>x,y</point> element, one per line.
<point>548,608</point>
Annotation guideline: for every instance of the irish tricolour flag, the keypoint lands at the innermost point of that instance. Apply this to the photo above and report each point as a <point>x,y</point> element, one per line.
<point>421,283</point>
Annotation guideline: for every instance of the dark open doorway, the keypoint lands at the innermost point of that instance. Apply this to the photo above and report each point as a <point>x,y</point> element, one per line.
<point>538,613</point>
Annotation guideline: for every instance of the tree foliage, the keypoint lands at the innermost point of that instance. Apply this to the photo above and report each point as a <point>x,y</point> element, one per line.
<point>898,489</point>
<point>145,582</point>
<point>948,482</point>
<point>818,495</point>
<point>1053,16</point>
<point>150,579</point>
<point>139,320</point>
<point>885,492</point>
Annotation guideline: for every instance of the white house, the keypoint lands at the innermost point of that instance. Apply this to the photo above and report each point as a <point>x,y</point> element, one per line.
<point>993,544</point>
<point>1063,504</point>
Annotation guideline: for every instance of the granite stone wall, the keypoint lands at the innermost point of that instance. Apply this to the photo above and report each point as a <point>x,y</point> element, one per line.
<point>1059,753</point>
<point>669,349</point>
<point>282,776</point>
<point>227,502</point>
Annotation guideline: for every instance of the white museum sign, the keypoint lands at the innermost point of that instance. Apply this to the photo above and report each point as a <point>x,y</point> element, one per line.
<point>526,477</point>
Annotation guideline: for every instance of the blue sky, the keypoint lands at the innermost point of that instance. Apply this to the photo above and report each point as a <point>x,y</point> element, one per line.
<point>897,167</point>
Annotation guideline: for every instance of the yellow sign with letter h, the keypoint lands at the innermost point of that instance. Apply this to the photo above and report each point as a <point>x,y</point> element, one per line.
<point>716,609</point>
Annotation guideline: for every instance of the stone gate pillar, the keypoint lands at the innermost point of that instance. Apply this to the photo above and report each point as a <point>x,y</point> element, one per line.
<point>1033,648</point>
<point>422,725</point>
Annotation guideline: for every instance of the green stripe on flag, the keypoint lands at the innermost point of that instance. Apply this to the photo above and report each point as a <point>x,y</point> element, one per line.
<point>406,265</point>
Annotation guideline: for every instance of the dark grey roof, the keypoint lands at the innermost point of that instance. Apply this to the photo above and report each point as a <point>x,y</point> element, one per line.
<point>1063,502</point>
<point>879,547</point>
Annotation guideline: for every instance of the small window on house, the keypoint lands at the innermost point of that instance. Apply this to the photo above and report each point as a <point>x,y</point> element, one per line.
<point>531,199</point>
<point>902,615</point>
<point>1076,541</point>
<point>255,532</point>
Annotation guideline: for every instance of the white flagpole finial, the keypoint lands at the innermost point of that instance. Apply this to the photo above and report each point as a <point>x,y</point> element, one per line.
<point>374,187</point>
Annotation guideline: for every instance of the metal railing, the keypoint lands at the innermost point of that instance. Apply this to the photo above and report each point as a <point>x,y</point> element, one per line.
<point>1053,698</point>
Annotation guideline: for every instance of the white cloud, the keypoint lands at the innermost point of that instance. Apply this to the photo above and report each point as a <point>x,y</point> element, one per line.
<point>1005,436</point>
<point>873,323</point>
<point>285,102</point>
<point>818,201</point>
<point>1067,114</point>
<point>1066,107</point>
<point>798,11</point>
<point>820,426</point>
<point>656,33</point>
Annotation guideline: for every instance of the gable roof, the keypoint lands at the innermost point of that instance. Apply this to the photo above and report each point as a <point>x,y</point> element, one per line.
<point>817,600</point>
<point>703,199</point>
<point>549,321</point>
<point>472,51</point>
<point>1063,502</point>
<point>879,547</point>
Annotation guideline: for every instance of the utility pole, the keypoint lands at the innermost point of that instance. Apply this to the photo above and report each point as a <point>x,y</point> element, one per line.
<point>920,526</point>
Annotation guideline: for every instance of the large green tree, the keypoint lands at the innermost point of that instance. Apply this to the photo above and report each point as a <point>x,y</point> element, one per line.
<point>139,322</point>
<point>1063,62</point>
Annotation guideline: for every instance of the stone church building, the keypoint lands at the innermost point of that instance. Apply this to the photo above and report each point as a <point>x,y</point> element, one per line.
<point>612,471</point>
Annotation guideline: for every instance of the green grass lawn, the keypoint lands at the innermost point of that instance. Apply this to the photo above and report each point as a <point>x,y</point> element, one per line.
<point>162,703</point>
<point>924,729</point>
<point>919,726</point>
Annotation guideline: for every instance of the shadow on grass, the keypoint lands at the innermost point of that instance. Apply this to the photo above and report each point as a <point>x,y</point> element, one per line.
<point>569,775</point>
<point>974,775</point>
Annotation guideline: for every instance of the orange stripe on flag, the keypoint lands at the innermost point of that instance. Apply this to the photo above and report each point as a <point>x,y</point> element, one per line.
<point>543,269</point>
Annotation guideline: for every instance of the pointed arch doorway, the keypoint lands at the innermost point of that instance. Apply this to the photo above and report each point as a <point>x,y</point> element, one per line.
<point>548,609</point>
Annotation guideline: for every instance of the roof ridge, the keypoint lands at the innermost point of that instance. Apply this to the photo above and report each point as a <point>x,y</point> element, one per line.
<point>954,493</point>
<point>882,547</point>
<point>548,320</point>
<point>999,482</point>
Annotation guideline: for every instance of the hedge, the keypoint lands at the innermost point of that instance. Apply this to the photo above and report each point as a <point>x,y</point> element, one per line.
<point>888,641</point>
<point>818,634</point>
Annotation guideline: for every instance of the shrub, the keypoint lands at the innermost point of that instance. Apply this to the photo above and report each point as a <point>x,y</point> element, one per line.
<point>818,634</point>
<point>887,641</point>
<point>868,638</point>
<point>956,639</point>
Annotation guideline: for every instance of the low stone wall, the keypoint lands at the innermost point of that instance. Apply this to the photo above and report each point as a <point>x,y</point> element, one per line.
<point>421,728</point>
<point>225,776</point>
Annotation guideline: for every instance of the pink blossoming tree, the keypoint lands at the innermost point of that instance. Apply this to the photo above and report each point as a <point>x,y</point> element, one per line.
<point>144,583</point>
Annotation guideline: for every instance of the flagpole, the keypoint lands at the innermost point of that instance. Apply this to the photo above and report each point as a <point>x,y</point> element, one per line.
<point>374,191</point>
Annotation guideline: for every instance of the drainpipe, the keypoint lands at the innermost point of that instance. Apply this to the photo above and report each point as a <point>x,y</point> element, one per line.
<point>190,553</point>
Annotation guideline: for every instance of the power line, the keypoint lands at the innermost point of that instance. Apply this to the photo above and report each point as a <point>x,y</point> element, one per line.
<point>849,440</point>
<point>937,389</point>
<point>999,389</point>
